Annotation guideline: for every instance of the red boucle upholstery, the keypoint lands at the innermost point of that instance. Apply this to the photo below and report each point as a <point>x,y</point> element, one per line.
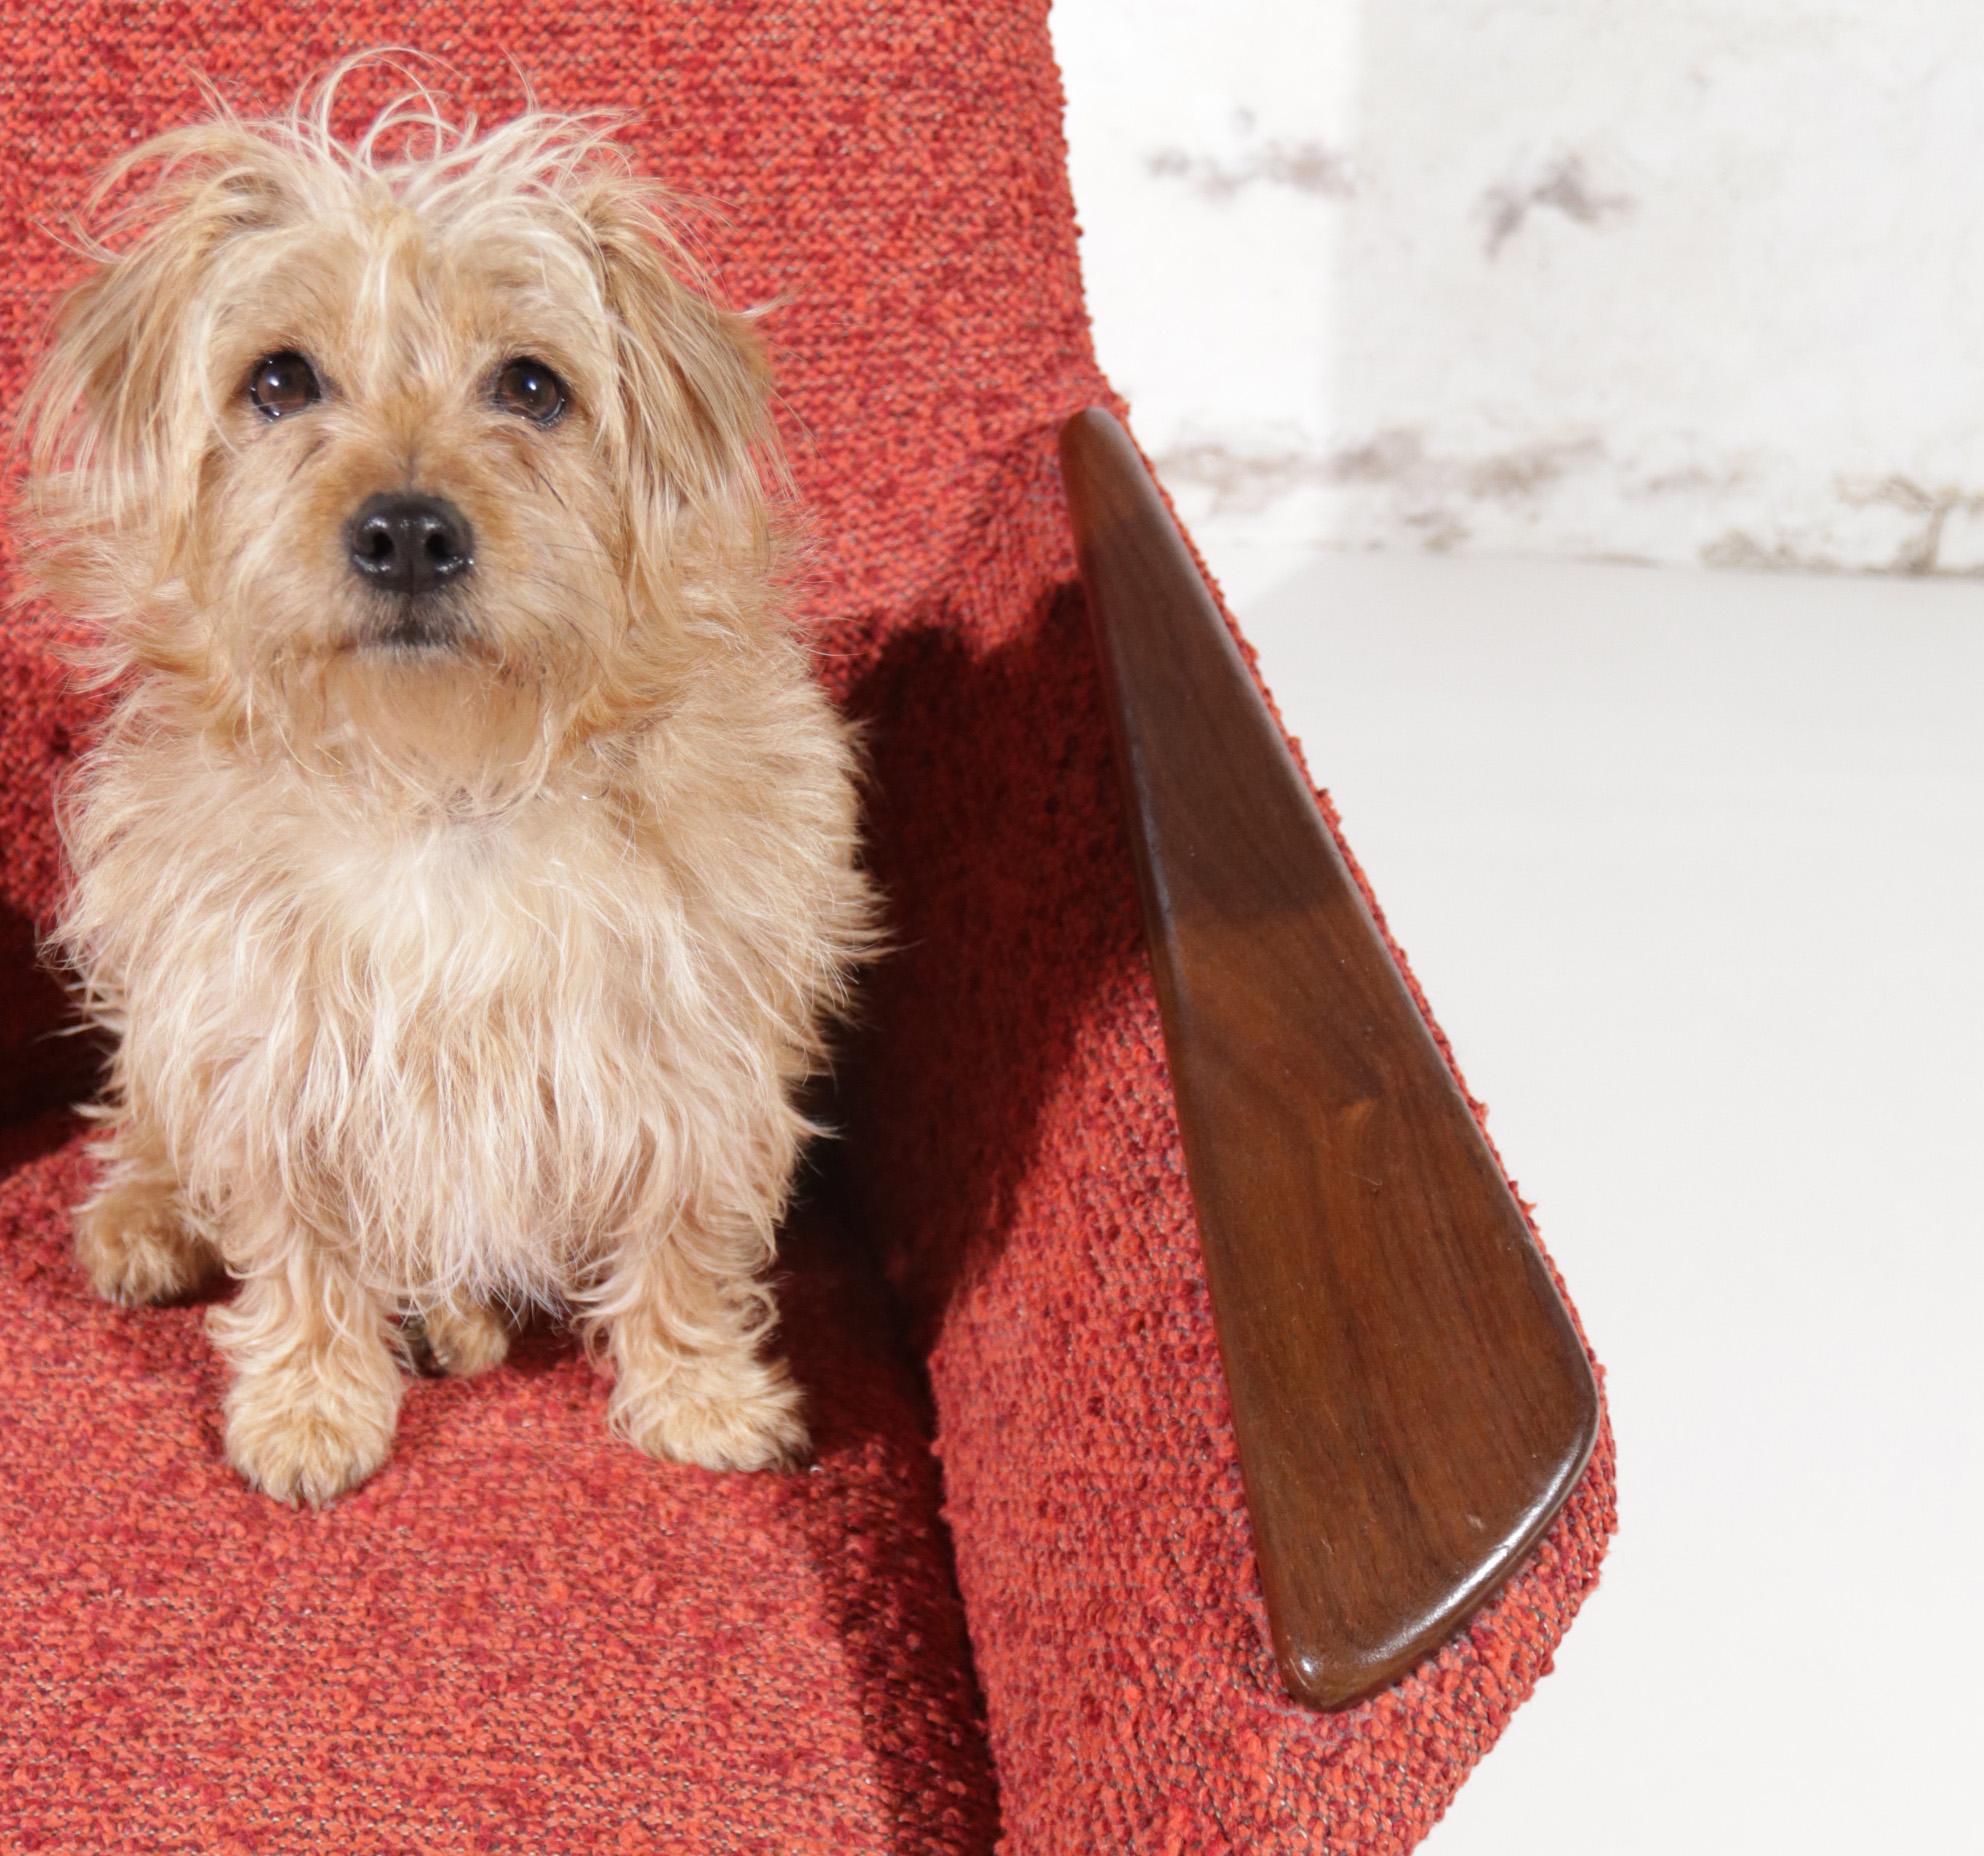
<point>522,1637</point>
<point>600,1653</point>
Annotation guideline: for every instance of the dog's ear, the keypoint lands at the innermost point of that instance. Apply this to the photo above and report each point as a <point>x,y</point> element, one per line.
<point>693,377</point>
<point>119,397</point>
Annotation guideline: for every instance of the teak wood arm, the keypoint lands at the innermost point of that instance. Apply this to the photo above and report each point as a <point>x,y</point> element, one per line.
<point>1411,1403</point>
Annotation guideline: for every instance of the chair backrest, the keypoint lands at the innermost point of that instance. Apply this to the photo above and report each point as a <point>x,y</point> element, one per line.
<point>892,178</point>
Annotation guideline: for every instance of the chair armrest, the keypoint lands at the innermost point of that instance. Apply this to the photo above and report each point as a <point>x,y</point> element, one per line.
<point>1411,1402</point>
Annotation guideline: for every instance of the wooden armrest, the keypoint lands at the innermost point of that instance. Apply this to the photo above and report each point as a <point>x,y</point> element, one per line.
<point>1411,1403</point>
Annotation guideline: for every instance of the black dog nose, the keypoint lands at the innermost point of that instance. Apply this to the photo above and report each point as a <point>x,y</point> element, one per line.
<point>410,544</point>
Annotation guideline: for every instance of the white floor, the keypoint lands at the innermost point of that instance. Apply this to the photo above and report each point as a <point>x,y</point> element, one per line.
<point>1690,867</point>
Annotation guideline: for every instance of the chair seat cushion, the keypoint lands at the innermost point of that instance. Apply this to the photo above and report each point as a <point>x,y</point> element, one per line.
<point>521,1635</point>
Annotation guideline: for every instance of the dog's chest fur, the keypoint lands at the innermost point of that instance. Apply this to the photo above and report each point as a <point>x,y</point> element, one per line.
<point>483,1044</point>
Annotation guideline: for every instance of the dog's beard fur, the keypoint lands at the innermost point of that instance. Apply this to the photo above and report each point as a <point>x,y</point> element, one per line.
<point>477,969</point>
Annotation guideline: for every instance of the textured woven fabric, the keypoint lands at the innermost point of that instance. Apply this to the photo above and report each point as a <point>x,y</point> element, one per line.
<point>521,1637</point>
<point>897,176</point>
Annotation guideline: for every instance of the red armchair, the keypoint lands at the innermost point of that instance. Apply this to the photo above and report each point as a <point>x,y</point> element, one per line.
<point>1016,1597</point>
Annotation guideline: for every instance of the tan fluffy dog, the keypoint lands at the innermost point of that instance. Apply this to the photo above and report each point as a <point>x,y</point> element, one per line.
<point>467,872</point>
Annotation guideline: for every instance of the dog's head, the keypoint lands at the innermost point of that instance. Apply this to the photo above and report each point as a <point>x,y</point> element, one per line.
<point>426,451</point>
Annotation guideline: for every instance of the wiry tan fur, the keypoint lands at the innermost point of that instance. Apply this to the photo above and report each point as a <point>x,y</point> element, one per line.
<point>450,982</point>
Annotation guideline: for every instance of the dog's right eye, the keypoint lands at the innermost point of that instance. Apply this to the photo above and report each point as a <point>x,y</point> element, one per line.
<point>281,384</point>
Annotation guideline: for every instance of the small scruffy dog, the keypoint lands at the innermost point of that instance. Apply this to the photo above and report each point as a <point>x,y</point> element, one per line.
<point>467,871</point>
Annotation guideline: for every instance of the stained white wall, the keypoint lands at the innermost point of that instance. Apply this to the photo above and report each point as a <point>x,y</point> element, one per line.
<point>1694,283</point>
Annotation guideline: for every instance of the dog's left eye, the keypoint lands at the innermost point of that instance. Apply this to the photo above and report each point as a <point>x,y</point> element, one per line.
<point>530,390</point>
<point>281,384</point>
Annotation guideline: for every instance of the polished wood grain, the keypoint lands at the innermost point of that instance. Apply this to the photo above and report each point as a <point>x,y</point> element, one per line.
<point>1411,1403</point>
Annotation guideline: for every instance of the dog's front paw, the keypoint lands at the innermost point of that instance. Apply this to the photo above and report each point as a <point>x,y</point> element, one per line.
<point>719,1414</point>
<point>134,1249</point>
<point>291,1436</point>
<point>465,1338</point>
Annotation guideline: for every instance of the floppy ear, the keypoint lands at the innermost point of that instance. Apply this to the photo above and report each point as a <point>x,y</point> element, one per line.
<point>694,380</point>
<point>117,402</point>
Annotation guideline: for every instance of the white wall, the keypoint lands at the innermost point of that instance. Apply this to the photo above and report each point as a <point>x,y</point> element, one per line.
<point>1696,283</point>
